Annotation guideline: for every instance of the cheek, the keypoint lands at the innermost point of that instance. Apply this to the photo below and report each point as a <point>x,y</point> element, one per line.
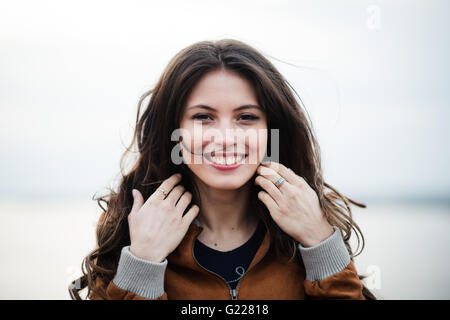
<point>192,143</point>
<point>257,146</point>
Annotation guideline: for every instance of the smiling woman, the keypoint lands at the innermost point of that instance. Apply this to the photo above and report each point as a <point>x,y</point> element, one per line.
<point>231,225</point>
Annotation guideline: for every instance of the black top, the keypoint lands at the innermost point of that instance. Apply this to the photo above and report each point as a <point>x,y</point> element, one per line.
<point>230,265</point>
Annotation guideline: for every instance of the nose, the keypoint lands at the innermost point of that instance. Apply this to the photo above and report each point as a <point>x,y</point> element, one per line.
<point>227,137</point>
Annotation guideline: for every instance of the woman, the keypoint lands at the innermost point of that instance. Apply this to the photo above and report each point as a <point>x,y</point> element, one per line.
<point>229,225</point>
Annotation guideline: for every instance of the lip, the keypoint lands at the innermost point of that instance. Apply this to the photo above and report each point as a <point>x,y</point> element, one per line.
<point>225,167</point>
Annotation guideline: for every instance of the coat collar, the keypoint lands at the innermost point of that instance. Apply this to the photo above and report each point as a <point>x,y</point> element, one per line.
<point>183,255</point>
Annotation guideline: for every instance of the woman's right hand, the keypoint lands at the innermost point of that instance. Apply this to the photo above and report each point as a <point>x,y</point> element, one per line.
<point>157,225</point>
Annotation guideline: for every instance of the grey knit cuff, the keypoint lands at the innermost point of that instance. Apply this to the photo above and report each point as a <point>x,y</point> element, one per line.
<point>142,277</point>
<point>326,258</point>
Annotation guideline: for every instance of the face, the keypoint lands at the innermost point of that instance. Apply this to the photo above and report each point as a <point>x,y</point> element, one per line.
<point>224,131</point>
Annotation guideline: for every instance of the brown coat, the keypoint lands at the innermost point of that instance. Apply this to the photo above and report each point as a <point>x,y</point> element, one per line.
<point>266,278</point>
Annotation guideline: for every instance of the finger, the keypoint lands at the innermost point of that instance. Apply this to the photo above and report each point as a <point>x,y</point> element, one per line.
<point>166,186</point>
<point>184,201</point>
<point>268,201</point>
<point>270,188</point>
<point>283,171</point>
<point>274,177</point>
<point>175,194</point>
<point>190,215</point>
<point>138,201</point>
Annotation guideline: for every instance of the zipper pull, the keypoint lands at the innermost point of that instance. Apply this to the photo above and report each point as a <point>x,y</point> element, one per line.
<point>233,293</point>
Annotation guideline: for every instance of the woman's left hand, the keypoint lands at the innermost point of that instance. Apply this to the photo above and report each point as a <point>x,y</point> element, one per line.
<point>294,205</point>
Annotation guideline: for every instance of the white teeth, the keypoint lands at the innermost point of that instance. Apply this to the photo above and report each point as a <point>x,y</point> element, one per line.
<point>226,160</point>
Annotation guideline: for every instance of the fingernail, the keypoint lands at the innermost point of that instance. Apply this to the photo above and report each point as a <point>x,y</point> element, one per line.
<point>178,175</point>
<point>133,192</point>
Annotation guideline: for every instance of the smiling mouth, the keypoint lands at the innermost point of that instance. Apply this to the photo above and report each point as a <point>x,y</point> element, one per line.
<point>225,160</point>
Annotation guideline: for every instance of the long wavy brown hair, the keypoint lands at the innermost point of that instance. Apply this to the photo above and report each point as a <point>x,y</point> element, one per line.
<point>151,164</point>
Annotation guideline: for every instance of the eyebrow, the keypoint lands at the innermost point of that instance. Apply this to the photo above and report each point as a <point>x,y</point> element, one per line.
<point>247,106</point>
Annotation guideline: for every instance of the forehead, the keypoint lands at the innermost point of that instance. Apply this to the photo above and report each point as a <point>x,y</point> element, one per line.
<point>222,90</point>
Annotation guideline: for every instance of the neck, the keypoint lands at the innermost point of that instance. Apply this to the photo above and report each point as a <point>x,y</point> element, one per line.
<point>224,211</point>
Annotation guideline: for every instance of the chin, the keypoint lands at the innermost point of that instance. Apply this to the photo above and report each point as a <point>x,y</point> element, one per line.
<point>226,186</point>
<point>230,182</point>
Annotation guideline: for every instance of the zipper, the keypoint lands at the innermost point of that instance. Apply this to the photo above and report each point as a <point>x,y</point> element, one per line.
<point>233,292</point>
<point>237,286</point>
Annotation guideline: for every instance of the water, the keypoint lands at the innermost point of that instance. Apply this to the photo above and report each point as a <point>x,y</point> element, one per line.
<point>407,246</point>
<point>43,245</point>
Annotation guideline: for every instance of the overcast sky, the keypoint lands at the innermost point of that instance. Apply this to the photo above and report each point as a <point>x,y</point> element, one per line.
<point>374,76</point>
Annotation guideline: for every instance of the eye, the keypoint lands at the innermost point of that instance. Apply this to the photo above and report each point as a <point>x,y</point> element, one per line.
<point>249,117</point>
<point>201,116</point>
<point>244,117</point>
